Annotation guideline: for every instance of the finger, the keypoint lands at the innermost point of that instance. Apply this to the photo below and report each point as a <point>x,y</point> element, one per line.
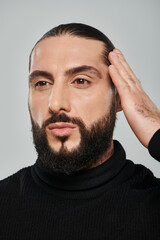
<point>114,59</point>
<point>124,69</point>
<point>117,79</point>
<point>124,62</point>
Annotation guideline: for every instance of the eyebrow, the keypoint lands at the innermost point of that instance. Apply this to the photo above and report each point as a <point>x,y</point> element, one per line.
<point>39,73</point>
<point>83,68</point>
<point>79,69</point>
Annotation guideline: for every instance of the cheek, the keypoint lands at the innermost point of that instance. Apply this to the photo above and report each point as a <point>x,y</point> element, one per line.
<point>38,109</point>
<point>94,105</point>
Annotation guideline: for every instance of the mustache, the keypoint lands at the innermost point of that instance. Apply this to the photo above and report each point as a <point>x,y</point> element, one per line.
<point>63,118</point>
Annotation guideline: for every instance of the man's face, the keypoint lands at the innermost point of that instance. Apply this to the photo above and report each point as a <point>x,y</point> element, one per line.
<point>68,77</point>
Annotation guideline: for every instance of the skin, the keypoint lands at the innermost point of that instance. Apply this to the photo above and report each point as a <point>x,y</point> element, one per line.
<point>61,91</point>
<point>141,113</point>
<point>87,100</point>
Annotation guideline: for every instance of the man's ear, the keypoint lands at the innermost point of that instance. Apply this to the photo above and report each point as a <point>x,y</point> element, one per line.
<point>118,102</point>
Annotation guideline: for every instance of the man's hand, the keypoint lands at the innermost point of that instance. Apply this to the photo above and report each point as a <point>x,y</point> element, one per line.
<point>141,113</point>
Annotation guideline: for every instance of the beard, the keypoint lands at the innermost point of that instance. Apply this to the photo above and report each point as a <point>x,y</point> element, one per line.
<point>94,142</point>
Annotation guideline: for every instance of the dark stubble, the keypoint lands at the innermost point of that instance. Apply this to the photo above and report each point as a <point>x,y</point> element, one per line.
<point>94,142</point>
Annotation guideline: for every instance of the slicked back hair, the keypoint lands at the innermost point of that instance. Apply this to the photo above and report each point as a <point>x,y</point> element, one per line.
<point>79,30</point>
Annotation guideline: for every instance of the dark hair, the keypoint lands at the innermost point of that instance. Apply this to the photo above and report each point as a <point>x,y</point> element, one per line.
<point>80,30</point>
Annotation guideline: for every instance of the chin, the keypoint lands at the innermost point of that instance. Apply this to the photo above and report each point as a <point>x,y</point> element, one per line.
<point>66,145</point>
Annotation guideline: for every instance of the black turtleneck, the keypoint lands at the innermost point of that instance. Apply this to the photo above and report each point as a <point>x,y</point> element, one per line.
<point>84,183</point>
<point>115,200</point>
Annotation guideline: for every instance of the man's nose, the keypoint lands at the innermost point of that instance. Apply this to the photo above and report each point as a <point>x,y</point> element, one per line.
<point>59,99</point>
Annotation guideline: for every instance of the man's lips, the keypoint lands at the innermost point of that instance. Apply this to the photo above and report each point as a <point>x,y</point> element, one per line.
<point>61,128</point>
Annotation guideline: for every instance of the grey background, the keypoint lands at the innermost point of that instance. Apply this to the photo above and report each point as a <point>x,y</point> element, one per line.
<point>133,26</point>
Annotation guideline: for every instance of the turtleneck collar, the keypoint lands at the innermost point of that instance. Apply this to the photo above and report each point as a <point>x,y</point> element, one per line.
<point>83,182</point>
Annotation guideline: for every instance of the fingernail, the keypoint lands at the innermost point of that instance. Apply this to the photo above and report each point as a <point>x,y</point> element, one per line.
<point>112,66</point>
<point>113,53</point>
<point>117,50</point>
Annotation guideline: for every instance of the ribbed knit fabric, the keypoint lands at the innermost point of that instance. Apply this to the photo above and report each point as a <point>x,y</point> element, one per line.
<point>154,146</point>
<point>116,200</point>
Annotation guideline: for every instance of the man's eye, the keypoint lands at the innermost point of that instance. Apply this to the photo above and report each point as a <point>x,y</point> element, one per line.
<point>42,84</point>
<point>81,81</point>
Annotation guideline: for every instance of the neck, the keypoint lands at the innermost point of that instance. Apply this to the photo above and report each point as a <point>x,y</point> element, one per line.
<point>95,180</point>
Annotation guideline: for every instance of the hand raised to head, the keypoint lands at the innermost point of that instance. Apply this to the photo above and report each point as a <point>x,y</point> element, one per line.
<point>141,113</point>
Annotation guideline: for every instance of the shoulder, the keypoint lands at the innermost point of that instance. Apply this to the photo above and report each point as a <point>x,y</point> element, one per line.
<point>141,176</point>
<point>142,185</point>
<point>15,182</point>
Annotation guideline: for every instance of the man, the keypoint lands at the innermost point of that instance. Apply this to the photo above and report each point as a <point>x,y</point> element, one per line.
<point>82,186</point>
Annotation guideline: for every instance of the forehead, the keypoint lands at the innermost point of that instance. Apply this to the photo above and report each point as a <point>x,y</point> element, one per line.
<point>66,51</point>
